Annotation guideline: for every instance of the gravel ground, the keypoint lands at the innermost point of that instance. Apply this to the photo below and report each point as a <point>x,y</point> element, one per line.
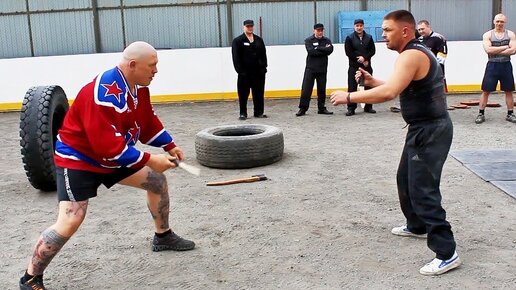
<point>322,221</point>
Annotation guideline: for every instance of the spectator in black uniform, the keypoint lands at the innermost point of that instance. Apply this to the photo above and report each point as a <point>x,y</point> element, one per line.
<point>318,47</point>
<point>360,49</point>
<point>250,62</point>
<point>435,42</point>
<point>418,80</point>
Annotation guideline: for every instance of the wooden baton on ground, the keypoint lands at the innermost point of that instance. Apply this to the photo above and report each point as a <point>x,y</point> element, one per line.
<point>253,178</point>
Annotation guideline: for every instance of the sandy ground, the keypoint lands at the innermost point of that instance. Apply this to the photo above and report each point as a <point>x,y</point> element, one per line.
<point>322,221</point>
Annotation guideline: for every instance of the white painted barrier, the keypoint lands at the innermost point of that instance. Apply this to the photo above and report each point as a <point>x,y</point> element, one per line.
<point>208,74</point>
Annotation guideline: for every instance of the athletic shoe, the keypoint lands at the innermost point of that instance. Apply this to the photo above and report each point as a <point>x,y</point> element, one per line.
<point>171,242</point>
<point>438,267</point>
<point>404,232</point>
<point>36,283</point>
<point>480,119</point>
<point>511,118</point>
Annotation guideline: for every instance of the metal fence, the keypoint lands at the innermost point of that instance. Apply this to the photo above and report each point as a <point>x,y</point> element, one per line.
<point>59,27</point>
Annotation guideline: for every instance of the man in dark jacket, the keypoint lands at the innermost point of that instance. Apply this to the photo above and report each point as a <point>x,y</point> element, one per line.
<point>360,49</point>
<point>250,62</point>
<point>435,42</point>
<point>318,47</point>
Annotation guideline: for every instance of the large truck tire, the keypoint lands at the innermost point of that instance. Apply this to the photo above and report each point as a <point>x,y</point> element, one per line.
<point>42,115</point>
<point>239,146</point>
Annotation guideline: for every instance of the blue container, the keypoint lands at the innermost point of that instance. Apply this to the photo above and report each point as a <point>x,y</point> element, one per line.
<point>372,23</point>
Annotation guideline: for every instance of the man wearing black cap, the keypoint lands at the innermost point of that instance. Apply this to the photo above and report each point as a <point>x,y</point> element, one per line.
<point>318,47</point>
<point>250,62</point>
<point>359,48</point>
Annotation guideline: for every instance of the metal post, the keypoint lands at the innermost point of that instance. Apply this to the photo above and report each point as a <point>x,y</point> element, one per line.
<point>31,40</point>
<point>363,5</point>
<point>497,7</point>
<point>261,27</point>
<point>315,11</point>
<point>219,25</point>
<point>96,26</point>
<point>123,23</point>
<point>229,6</point>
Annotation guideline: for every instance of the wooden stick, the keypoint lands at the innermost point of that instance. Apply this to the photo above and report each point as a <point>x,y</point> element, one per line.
<point>253,178</point>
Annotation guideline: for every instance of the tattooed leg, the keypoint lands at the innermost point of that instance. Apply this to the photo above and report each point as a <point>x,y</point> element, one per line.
<point>46,248</point>
<point>158,200</point>
<point>71,215</point>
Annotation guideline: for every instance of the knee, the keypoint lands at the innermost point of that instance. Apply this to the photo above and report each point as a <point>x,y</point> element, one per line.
<point>71,215</point>
<point>156,183</point>
<point>69,225</point>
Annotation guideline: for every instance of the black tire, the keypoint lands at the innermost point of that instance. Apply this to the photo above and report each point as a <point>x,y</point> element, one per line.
<point>239,146</point>
<point>42,115</point>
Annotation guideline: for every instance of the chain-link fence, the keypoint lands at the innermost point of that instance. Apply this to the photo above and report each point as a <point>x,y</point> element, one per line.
<point>59,27</point>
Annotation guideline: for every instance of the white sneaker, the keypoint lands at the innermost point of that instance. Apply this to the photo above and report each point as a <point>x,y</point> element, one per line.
<point>438,267</point>
<point>404,232</point>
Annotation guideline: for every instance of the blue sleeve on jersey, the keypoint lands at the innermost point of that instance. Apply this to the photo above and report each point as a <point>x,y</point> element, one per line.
<point>129,157</point>
<point>162,139</point>
<point>66,151</point>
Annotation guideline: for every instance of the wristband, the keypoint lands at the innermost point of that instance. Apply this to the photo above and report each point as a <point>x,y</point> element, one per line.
<point>348,98</point>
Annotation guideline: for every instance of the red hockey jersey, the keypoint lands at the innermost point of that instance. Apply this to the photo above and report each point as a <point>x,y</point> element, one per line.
<point>105,121</point>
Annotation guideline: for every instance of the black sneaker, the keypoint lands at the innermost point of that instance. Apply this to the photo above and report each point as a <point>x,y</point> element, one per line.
<point>36,283</point>
<point>511,118</point>
<point>242,117</point>
<point>171,242</point>
<point>480,119</point>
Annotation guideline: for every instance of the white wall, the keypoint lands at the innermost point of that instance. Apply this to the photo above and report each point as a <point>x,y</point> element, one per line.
<point>210,70</point>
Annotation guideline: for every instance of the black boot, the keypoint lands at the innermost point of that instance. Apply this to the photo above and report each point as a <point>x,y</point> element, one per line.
<point>301,112</point>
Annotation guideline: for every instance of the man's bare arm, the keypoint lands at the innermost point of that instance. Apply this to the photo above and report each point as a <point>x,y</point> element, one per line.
<point>404,72</point>
<point>512,44</point>
<point>486,41</point>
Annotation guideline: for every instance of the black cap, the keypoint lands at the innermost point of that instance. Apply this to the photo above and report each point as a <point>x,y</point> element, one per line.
<point>319,26</point>
<point>248,22</point>
<point>359,21</point>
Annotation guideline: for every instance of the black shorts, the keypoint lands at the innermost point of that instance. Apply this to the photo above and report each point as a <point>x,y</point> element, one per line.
<point>79,185</point>
<point>498,71</point>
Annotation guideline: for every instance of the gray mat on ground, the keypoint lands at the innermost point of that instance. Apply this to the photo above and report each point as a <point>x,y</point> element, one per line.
<point>497,166</point>
<point>484,155</point>
<point>508,186</point>
<point>494,171</point>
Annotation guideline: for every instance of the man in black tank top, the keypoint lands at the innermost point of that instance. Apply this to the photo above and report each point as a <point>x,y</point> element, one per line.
<point>418,80</point>
<point>499,44</point>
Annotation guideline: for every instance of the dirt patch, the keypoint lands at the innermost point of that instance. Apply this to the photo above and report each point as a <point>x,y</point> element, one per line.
<point>321,221</point>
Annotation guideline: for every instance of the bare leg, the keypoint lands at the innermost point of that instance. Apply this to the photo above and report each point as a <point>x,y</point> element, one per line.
<point>483,100</point>
<point>71,215</point>
<point>158,200</point>
<point>509,100</point>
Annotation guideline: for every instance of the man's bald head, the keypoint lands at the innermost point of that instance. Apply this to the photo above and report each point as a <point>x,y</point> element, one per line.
<point>500,16</point>
<point>499,22</point>
<point>139,63</point>
<point>137,51</point>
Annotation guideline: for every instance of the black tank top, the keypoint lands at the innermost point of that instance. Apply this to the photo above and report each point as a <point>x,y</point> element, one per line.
<point>424,99</point>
